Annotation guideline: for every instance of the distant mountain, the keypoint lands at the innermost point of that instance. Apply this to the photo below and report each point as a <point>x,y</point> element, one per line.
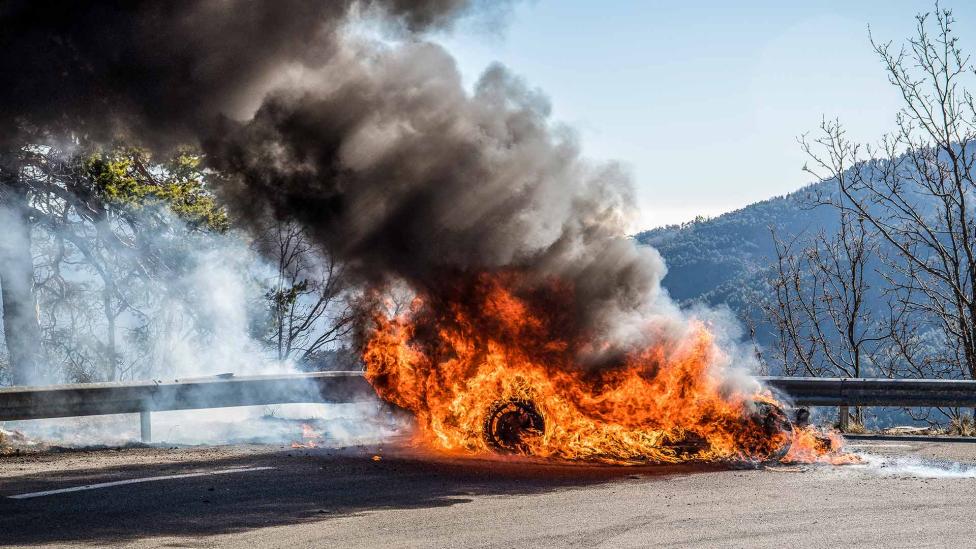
<point>726,259</point>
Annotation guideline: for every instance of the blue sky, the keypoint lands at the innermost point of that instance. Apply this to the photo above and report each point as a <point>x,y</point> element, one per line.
<point>702,101</point>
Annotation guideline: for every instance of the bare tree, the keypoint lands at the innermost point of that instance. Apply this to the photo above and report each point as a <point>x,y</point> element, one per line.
<point>819,307</point>
<point>309,312</point>
<point>823,326</point>
<point>916,190</point>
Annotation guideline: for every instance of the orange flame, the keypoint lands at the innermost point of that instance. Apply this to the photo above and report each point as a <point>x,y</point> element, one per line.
<point>488,338</point>
<point>310,438</point>
<point>812,446</point>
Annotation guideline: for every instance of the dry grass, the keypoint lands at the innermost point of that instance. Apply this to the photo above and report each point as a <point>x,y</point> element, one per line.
<point>13,441</point>
<point>962,426</point>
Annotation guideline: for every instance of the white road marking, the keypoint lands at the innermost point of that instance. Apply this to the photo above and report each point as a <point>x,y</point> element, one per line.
<point>879,445</point>
<point>136,481</point>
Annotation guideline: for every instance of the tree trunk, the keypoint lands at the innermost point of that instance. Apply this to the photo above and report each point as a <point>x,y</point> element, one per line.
<point>20,326</point>
<point>111,316</point>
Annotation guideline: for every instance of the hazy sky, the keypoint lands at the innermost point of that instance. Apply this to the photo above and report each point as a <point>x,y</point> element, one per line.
<point>703,101</point>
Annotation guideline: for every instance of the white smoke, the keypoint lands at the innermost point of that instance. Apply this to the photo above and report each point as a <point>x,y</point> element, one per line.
<point>211,315</point>
<point>914,467</point>
<point>337,425</point>
<point>205,318</point>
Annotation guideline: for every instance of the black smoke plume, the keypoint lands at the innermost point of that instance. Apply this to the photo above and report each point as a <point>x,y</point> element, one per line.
<point>375,146</point>
<point>163,71</point>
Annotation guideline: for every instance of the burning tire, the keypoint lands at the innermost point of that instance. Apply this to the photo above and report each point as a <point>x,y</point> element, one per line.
<point>768,433</point>
<point>511,424</point>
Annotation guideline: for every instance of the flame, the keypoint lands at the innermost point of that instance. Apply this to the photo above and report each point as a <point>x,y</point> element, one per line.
<point>310,438</point>
<point>813,446</point>
<point>491,337</point>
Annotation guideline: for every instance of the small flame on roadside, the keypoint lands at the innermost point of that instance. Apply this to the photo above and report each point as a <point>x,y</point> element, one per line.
<point>310,438</point>
<point>811,445</point>
<point>489,337</point>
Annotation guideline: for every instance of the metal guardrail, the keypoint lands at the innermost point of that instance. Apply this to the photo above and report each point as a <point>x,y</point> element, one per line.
<point>144,397</point>
<point>814,391</point>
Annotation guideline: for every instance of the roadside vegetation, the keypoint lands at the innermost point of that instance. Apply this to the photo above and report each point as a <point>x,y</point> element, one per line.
<point>104,243</point>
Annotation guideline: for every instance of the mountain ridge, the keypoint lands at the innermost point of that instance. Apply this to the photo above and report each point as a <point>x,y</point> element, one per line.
<point>726,259</point>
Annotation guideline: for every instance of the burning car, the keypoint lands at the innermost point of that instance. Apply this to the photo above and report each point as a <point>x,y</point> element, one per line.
<point>497,369</point>
<point>512,424</point>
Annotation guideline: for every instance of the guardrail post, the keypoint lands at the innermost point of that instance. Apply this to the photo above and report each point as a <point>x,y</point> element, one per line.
<point>145,424</point>
<point>843,418</point>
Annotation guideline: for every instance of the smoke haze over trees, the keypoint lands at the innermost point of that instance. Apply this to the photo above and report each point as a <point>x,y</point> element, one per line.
<point>82,74</point>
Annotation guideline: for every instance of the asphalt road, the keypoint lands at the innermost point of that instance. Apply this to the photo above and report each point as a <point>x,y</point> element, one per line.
<point>260,496</point>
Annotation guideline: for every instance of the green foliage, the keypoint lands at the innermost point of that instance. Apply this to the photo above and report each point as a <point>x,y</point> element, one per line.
<point>127,177</point>
<point>282,299</point>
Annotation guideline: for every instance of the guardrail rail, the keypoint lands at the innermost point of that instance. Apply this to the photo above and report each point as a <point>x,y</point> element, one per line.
<point>145,397</point>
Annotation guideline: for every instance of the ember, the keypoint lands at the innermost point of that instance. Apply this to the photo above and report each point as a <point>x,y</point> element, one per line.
<point>490,364</point>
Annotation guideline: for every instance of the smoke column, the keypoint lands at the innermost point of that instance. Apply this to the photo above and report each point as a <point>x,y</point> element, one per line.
<point>164,71</point>
<point>376,147</point>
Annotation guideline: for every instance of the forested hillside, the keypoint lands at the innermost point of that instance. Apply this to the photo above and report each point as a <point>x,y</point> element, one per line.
<point>726,259</point>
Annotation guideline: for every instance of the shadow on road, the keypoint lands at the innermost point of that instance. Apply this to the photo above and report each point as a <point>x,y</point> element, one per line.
<point>304,486</point>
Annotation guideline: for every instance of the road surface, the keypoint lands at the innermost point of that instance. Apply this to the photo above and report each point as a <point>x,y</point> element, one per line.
<point>269,496</point>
